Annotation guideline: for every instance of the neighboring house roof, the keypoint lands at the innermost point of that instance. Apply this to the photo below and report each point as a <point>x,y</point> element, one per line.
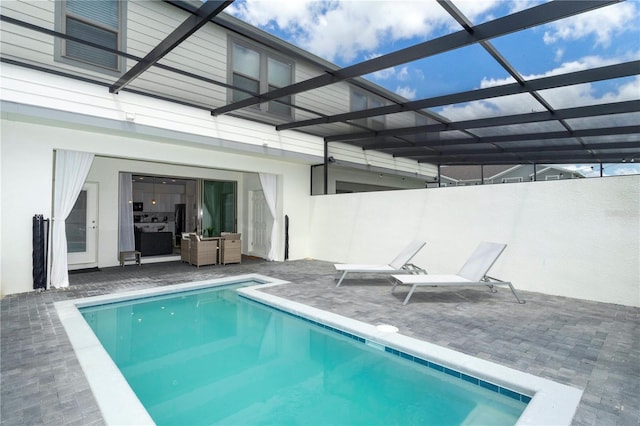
<point>575,173</point>
<point>473,173</point>
<point>465,173</point>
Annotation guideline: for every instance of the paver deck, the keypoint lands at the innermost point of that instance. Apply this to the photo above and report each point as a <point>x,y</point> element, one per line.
<point>589,345</point>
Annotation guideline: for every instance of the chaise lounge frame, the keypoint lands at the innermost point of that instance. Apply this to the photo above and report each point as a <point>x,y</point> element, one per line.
<point>398,265</point>
<point>472,273</point>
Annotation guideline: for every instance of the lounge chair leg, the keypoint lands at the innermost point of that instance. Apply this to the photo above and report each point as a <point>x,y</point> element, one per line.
<point>513,290</point>
<point>344,274</point>
<point>406,299</point>
<point>395,284</point>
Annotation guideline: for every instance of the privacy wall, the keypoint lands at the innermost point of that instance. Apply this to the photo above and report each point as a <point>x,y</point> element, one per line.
<point>576,238</point>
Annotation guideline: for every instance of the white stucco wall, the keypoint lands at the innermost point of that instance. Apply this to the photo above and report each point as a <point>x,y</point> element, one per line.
<point>26,155</point>
<point>576,238</point>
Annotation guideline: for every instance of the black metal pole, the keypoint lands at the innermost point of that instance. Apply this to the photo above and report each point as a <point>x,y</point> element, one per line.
<point>39,253</point>
<point>326,168</point>
<point>286,237</point>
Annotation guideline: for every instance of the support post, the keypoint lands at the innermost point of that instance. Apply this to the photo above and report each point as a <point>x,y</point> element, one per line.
<point>326,168</point>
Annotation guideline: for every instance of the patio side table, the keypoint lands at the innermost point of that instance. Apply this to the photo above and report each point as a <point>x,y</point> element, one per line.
<point>130,255</point>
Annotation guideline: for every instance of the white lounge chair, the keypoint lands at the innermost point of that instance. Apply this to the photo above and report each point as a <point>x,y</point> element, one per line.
<point>472,273</point>
<point>398,265</point>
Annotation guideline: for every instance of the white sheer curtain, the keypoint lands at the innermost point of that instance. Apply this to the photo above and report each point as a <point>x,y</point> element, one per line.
<point>71,171</point>
<point>269,184</point>
<point>125,214</point>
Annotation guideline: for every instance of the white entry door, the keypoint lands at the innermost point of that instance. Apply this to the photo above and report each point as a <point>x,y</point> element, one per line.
<point>82,229</point>
<point>258,222</point>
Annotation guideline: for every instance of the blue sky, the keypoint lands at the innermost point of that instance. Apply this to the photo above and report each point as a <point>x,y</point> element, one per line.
<point>347,32</point>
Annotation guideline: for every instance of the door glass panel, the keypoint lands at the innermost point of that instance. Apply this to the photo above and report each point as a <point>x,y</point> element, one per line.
<point>76,225</point>
<point>219,207</point>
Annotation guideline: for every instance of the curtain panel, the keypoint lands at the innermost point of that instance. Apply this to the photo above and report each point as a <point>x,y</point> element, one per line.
<point>71,170</point>
<point>269,184</point>
<point>126,241</point>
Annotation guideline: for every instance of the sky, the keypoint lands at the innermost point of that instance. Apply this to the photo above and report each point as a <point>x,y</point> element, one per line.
<point>351,31</point>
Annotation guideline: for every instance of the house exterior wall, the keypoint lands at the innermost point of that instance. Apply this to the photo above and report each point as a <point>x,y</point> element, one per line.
<point>577,238</point>
<point>27,174</point>
<point>204,54</point>
<point>43,112</point>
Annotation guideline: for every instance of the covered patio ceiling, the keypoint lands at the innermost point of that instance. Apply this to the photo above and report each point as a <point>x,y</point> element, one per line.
<point>545,134</point>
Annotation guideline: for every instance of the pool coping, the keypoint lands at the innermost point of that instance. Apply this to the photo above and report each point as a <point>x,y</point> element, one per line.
<point>551,402</point>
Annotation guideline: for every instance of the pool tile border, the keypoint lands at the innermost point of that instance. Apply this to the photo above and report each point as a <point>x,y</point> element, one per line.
<point>116,400</point>
<point>418,360</point>
<point>550,403</point>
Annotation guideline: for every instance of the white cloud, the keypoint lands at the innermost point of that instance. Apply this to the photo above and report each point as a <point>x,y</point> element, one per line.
<point>601,23</point>
<point>406,92</point>
<point>621,170</point>
<point>343,29</point>
<point>384,74</point>
<point>403,74</point>
<point>478,11</point>
<point>563,97</point>
<point>518,5</point>
<point>593,170</point>
<point>586,170</point>
<point>586,62</point>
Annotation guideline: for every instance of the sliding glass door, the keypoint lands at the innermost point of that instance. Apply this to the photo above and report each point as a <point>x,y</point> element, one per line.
<point>218,207</point>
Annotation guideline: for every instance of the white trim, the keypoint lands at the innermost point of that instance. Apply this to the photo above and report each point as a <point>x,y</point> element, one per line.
<point>149,131</point>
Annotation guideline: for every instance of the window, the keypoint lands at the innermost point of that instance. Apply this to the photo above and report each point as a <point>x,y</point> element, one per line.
<point>246,72</point>
<point>361,100</point>
<point>257,71</point>
<point>97,21</point>
<point>279,75</point>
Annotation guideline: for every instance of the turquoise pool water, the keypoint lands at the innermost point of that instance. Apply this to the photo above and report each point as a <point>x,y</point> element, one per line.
<point>212,357</point>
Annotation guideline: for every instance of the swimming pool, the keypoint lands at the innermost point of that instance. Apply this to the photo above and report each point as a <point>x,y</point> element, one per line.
<point>330,363</point>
